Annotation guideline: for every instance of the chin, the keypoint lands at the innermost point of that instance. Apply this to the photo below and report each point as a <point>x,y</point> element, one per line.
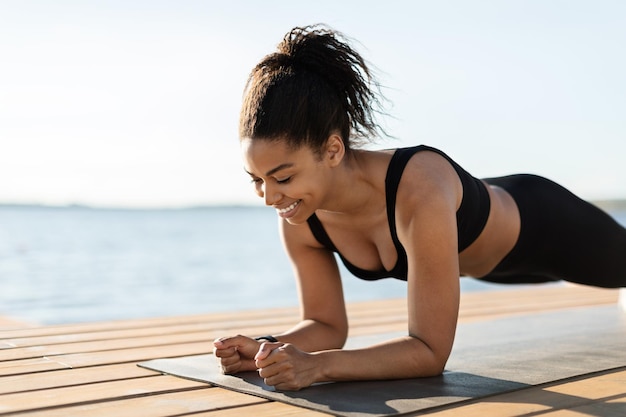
<point>295,221</point>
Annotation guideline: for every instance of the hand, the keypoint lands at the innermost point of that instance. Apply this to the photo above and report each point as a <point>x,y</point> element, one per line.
<point>236,353</point>
<point>285,367</point>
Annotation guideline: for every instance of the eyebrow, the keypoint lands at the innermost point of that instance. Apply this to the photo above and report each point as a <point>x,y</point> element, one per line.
<point>274,170</point>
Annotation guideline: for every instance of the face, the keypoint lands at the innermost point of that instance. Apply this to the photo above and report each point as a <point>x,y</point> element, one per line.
<point>290,180</point>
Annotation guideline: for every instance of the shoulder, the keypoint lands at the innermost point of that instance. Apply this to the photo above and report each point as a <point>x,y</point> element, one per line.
<point>429,182</point>
<point>297,236</point>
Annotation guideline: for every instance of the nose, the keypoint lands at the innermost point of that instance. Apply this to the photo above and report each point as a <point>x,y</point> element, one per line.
<point>270,194</point>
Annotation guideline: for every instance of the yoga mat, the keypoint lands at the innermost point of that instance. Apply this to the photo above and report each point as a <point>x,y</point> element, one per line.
<point>488,358</point>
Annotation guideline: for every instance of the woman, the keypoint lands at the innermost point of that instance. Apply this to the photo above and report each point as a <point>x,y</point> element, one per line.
<point>412,214</point>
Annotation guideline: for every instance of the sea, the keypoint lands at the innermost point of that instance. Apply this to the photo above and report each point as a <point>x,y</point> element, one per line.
<point>61,265</point>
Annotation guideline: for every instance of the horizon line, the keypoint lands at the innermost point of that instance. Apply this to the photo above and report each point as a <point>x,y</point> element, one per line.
<point>84,206</point>
<point>618,204</point>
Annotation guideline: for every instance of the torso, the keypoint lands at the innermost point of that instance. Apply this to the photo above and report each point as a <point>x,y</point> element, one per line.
<point>366,241</point>
<point>497,238</point>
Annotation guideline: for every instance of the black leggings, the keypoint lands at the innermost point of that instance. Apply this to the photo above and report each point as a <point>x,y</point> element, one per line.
<point>562,238</point>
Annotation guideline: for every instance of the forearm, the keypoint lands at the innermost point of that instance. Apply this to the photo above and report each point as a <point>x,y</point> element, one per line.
<point>405,357</point>
<point>313,336</point>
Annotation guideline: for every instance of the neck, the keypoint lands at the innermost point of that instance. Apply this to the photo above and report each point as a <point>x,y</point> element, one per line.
<point>356,187</point>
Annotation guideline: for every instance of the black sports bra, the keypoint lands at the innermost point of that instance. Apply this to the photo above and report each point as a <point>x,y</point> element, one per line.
<point>471,216</point>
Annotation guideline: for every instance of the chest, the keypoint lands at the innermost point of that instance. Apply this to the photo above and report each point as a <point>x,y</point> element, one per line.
<point>365,243</point>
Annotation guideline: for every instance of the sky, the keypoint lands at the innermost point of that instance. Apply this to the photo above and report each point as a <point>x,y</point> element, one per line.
<point>135,103</point>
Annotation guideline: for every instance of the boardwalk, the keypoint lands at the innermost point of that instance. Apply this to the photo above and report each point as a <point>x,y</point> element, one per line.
<point>90,369</point>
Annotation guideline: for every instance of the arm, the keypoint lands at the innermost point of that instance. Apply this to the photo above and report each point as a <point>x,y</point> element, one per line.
<point>426,220</point>
<point>429,236</point>
<point>323,325</point>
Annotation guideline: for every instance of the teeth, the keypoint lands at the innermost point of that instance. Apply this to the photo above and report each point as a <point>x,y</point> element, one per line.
<point>289,208</point>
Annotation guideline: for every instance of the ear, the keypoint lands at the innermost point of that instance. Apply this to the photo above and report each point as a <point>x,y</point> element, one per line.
<point>335,149</point>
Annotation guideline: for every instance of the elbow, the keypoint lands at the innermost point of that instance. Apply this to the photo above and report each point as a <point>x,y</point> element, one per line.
<point>428,366</point>
<point>427,362</point>
<point>335,337</point>
<point>340,339</point>
<point>436,368</point>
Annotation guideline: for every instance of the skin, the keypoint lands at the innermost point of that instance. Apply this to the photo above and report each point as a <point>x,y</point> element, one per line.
<point>347,192</point>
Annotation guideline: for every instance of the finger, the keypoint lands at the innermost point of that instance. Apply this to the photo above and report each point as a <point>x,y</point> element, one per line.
<point>231,363</point>
<point>279,376</point>
<point>224,353</point>
<point>230,341</point>
<point>265,350</point>
<point>230,360</point>
<point>232,368</point>
<point>270,371</point>
<point>287,386</point>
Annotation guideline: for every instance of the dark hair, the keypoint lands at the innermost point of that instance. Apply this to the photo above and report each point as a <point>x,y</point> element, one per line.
<point>315,84</point>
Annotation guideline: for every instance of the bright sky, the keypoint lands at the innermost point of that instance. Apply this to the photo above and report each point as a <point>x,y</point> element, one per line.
<point>135,103</point>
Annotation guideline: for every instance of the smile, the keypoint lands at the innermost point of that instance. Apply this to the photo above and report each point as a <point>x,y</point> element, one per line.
<point>288,208</point>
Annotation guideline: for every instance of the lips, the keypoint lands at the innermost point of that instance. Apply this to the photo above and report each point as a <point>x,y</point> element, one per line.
<point>288,209</point>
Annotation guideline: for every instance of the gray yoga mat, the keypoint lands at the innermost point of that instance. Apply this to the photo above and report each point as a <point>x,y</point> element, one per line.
<point>488,358</point>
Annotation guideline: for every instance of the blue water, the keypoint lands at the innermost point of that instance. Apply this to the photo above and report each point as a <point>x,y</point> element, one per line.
<point>67,265</point>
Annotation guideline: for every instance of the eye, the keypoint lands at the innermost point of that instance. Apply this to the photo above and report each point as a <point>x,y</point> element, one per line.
<point>283,181</point>
<point>256,180</point>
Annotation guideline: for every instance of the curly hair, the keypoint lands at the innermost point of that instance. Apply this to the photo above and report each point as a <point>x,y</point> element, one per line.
<point>315,84</point>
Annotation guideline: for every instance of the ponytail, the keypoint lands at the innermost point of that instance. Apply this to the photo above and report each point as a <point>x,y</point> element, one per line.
<point>313,85</point>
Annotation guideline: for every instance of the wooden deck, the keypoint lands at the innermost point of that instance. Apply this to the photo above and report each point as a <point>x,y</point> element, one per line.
<point>90,369</point>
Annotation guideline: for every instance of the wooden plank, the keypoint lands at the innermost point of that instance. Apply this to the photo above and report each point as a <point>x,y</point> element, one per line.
<point>613,408</point>
<point>71,377</point>
<point>104,357</point>
<point>537,401</point>
<point>67,396</point>
<point>102,345</point>
<point>152,330</point>
<point>106,335</point>
<point>268,315</point>
<point>479,304</point>
<point>536,297</point>
<point>269,409</point>
<point>161,405</point>
<point>550,400</point>
<point>507,301</point>
<point>95,331</point>
<point>538,293</point>
<point>30,366</point>
<point>379,323</point>
<point>609,383</point>
<point>81,360</point>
